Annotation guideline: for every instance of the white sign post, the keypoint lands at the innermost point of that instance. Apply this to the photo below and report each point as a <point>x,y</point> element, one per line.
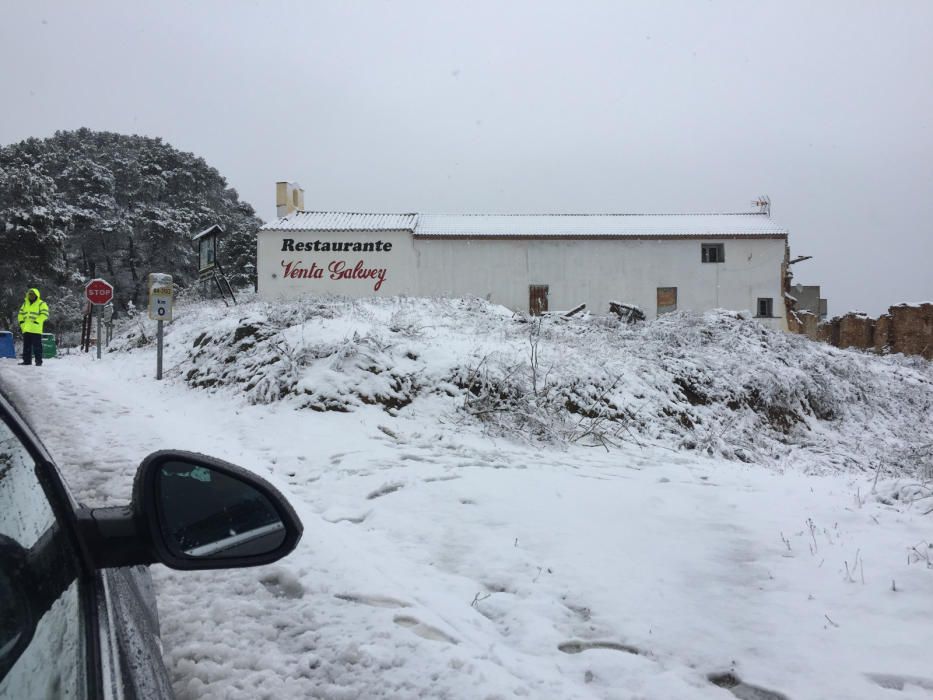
<point>160,309</point>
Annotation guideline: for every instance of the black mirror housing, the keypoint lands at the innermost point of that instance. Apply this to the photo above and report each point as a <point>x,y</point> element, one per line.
<point>149,506</point>
<point>190,511</point>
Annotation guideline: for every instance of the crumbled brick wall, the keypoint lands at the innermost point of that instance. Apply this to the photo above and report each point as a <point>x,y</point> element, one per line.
<point>911,329</point>
<point>882,334</point>
<point>906,328</point>
<point>824,332</point>
<point>806,324</point>
<point>856,331</point>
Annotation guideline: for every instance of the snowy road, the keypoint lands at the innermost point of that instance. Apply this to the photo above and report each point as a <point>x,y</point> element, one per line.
<point>437,563</point>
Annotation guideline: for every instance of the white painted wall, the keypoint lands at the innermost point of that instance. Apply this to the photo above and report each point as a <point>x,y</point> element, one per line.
<point>276,280</point>
<point>593,272</point>
<point>596,272</point>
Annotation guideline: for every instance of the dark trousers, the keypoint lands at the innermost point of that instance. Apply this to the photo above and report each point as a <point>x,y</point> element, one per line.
<point>32,345</point>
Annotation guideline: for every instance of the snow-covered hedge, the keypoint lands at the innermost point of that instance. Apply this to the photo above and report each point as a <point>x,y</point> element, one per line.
<point>714,382</point>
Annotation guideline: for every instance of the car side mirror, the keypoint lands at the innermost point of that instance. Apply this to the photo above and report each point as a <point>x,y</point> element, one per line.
<point>204,513</point>
<point>190,511</point>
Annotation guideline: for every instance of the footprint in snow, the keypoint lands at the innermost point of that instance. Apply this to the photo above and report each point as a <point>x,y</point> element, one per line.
<point>283,584</point>
<point>423,630</point>
<point>581,611</point>
<point>389,432</point>
<point>377,601</point>
<point>385,489</point>
<point>576,646</point>
<point>894,681</point>
<point>743,690</point>
<point>355,519</point>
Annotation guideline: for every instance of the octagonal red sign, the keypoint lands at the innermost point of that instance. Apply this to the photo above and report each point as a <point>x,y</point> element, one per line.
<point>98,291</point>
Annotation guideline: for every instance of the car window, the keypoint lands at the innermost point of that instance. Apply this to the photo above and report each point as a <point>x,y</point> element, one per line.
<point>53,664</point>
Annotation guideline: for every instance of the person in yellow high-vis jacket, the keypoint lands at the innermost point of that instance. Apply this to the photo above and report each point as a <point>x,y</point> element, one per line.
<point>32,316</point>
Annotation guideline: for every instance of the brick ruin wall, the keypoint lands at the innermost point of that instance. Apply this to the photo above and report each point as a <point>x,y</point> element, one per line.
<point>805,323</point>
<point>906,328</point>
<point>912,330</point>
<point>854,331</point>
<point>882,333</point>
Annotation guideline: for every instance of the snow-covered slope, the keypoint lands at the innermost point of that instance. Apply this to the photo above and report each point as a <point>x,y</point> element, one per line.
<point>716,383</point>
<point>462,541</point>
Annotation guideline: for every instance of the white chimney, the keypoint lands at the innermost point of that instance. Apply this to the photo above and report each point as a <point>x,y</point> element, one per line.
<point>289,198</point>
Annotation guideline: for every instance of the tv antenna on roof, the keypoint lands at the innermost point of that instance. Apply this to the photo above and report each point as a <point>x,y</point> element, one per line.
<point>764,205</point>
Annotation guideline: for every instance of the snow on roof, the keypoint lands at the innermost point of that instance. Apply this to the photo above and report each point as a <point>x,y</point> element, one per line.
<point>538,225</point>
<point>210,229</point>
<point>342,221</point>
<point>596,225</point>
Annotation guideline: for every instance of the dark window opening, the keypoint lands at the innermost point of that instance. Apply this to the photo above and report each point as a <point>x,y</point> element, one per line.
<point>713,252</point>
<point>667,300</point>
<point>537,299</point>
<point>765,307</point>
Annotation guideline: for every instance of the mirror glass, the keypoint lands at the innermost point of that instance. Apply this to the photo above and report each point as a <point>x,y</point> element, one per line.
<point>208,513</point>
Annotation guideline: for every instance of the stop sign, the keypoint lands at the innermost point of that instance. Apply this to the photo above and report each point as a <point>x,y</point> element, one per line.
<point>98,291</point>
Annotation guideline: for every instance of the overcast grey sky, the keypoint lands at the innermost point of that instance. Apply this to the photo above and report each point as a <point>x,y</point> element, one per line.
<point>524,106</point>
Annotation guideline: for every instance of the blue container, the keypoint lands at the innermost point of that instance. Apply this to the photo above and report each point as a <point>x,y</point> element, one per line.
<point>6,344</point>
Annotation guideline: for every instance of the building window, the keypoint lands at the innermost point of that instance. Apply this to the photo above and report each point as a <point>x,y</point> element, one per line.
<point>765,307</point>
<point>713,252</point>
<point>667,300</point>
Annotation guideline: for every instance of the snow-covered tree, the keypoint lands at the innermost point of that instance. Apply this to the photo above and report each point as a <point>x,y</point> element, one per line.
<point>85,204</point>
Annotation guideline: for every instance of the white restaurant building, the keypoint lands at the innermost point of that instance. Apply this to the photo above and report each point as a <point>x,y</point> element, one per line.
<point>531,263</point>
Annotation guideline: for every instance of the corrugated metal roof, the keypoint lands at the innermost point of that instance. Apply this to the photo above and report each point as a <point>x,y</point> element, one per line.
<point>596,225</point>
<point>537,225</point>
<point>343,221</point>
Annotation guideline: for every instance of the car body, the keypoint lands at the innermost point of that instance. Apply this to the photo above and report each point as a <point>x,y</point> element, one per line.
<point>78,615</point>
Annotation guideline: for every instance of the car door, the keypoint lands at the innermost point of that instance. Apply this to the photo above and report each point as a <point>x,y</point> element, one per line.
<point>77,611</point>
<point>46,645</point>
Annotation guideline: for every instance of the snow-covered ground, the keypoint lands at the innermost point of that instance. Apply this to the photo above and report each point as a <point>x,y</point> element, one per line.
<point>476,527</point>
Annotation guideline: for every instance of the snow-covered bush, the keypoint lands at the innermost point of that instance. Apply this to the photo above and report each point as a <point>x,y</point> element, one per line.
<point>715,382</point>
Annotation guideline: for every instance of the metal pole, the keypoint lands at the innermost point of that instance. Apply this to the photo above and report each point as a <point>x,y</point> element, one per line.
<point>100,316</point>
<point>159,351</point>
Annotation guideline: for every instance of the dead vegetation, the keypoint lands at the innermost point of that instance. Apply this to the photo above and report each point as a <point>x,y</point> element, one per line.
<point>715,383</point>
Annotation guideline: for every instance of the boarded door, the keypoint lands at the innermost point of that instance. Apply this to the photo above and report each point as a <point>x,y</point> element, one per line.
<point>667,299</point>
<point>537,299</point>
